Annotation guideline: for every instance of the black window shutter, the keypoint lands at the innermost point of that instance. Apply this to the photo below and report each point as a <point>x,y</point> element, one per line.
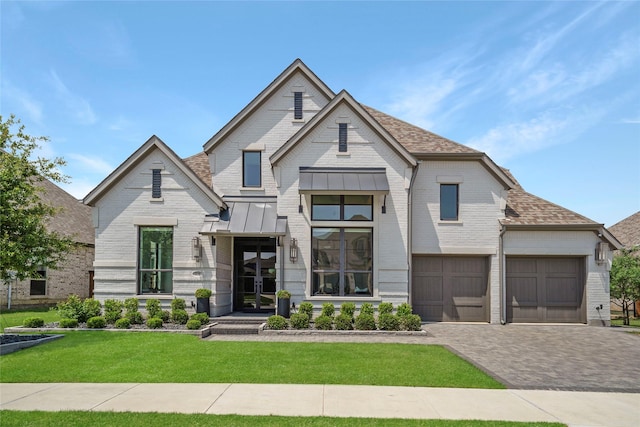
<point>297,105</point>
<point>155,188</point>
<point>342,137</point>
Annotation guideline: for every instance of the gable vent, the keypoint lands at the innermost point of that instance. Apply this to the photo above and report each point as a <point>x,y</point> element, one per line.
<point>342,137</point>
<point>297,105</point>
<point>156,193</point>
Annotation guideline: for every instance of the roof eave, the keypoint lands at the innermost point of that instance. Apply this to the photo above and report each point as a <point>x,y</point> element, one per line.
<point>596,228</point>
<point>486,161</point>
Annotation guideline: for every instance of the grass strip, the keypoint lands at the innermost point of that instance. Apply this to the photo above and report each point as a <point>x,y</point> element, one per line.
<point>116,357</point>
<point>10,318</point>
<point>130,419</point>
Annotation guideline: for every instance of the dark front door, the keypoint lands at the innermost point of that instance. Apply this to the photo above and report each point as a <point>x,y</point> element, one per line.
<point>255,274</point>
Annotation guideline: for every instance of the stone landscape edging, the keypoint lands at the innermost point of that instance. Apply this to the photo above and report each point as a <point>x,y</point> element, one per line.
<point>201,333</point>
<point>15,346</point>
<point>262,330</point>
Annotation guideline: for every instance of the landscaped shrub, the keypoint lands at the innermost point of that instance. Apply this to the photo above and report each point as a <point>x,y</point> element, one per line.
<point>131,305</point>
<point>154,323</point>
<point>306,308</point>
<point>404,309</point>
<point>96,322</point>
<point>123,323</point>
<point>72,308</point>
<point>328,309</point>
<point>179,316</point>
<point>33,322</point>
<point>203,318</point>
<point>165,315</point>
<point>388,322</point>
<point>68,323</point>
<point>324,323</point>
<point>194,324</point>
<point>365,322</point>
<point>178,304</point>
<point>153,307</point>
<point>112,310</point>
<point>299,321</point>
<point>366,308</point>
<point>348,308</point>
<point>385,308</point>
<point>91,308</point>
<point>203,293</point>
<point>135,318</point>
<point>412,322</point>
<point>344,322</point>
<point>276,322</point>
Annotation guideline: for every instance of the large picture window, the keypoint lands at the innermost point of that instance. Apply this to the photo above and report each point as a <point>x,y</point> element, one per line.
<point>251,169</point>
<point>155,262</point>
<point>342,208</point>
<point>342,261</point>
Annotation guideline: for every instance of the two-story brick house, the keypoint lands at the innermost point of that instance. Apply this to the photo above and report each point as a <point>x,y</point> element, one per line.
<point>310,191</point>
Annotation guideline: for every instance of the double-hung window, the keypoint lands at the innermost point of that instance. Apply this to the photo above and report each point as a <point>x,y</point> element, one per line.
<point>449,202</point>
<point>251,169</point>
<point>38,286</point>
<point>155,260</point>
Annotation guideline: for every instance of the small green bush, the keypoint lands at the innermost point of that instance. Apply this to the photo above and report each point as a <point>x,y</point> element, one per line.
<point>404,309</point>
<point>276,322</point>
<point>203,293</point>
<point>348,308</point>
<point>91,308</point>
<point>33,322</point>
<point>178,304</point>
<point>344,322</point>
<point>366,308</point>
<point>388,322</point>
<point>179,316</point>
<point>96,322</point>
<point>72,308</point>
<point>385,308</point>
<point>68,323</point>
<point>412,322</point>
<point>165,315</point>
<point>153,307</point>
<point>323,323</point>
<point>365,322</point>
<point>123,323</point>
<point>306,308</point>
<point>112,310</point>
<point>203,318</point>
<point>299,321</point>
<point>154,323</point>
<point>131,305</point>
<point>328,309</point>
<point>283,293</point>
<point>194,324</point>
<point>135,318</point>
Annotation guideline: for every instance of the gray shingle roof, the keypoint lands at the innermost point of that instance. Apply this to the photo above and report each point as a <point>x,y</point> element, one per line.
<point>628,230</point>
<point>74,220</point>
<point>199,163</point>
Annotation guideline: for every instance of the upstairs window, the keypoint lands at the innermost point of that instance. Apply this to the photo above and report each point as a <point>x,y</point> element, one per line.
<point>156,182</point>
<point>342,137</point>
<point>251,169</point>
<point>449,201</point>
<point>342,208</point>
<point>297,105</point>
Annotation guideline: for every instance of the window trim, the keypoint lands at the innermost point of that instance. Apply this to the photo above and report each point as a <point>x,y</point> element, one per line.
<point>244,170</point>
<point>457,202</point>
<point>140,270</point>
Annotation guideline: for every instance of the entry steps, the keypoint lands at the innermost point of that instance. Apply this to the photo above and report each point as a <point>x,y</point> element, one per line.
<point>238,324</point>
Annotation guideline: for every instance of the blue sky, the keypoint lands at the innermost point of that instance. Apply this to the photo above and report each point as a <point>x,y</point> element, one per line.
<point>550,90</point>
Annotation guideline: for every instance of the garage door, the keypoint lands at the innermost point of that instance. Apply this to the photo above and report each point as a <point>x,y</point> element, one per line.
<point>549,290</point>
<point>450,289</point>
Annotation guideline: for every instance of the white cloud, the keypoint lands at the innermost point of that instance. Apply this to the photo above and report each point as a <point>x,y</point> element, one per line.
<point>26,103</point>
<point>93,164</point>
<point>77,106</point>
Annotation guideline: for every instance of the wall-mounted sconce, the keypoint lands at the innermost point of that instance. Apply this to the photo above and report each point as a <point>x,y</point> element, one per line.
<point>196,248</point>
<point>293,250</point>
<point>601,252</point>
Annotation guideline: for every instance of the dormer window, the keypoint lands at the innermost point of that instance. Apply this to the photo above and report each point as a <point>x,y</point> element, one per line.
<point>342,137</point>
<point>156,182</point>
<point>297,105</point>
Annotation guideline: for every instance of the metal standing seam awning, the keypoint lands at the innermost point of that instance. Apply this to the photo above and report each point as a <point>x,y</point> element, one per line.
<point>314,179</point>
<point>246,218</point>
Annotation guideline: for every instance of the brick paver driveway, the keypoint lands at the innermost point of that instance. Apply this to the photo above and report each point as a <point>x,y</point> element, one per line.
<point>564,357</point>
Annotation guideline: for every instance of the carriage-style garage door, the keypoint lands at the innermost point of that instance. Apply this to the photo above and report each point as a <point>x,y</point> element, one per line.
<point>450,288</point>
<point>549,290</point>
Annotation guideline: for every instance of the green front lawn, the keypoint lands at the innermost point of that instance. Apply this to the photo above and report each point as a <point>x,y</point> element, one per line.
<point>634,322</point>
<point>81,419</point>
<point>9,318</point>
<point>111,357</point>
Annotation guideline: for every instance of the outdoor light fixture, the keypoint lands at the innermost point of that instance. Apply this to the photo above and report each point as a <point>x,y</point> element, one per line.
<point>293,250</point>
<point>196,248</point>
<point>601,252</point>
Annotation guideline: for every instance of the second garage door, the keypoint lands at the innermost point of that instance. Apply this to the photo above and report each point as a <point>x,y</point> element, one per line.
<point>450,289</point>
<point>547,290</point>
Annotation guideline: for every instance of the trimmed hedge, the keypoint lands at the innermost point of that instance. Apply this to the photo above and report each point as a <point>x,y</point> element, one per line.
<point>365,322</point>
<point>307,309</point>
<point>194,324</point>
<point>388,322</point>
<point>276,322</point>
<point>154,323</point>
<point>299,321</point>
<point>323,323</point>
<point>344,322</point>
<point>123,323</point>
<point>96,322</point>
<point>68,323</point>
<point>33,322</point>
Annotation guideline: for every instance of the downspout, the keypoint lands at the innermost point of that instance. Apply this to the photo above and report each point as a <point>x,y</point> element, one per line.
<point>410,230</point>
<point>503,277</point>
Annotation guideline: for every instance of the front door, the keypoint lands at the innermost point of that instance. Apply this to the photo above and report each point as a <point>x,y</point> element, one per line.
<point>255,274</point>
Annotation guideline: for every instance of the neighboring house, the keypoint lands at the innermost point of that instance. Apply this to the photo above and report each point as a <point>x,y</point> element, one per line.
<point>75,274</point>
<point>627,231</point>
<point>310,191</point>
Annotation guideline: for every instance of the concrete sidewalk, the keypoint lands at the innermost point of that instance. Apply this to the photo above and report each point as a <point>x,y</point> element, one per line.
<point>571,408</point>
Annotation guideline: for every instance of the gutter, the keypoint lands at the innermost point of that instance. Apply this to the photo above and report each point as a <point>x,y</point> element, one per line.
<point>410,229</point>
<point>503,277</point>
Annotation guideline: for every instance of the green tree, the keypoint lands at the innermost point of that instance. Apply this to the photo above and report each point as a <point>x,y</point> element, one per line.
<point>25,242</point>
<point>625,280</point>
